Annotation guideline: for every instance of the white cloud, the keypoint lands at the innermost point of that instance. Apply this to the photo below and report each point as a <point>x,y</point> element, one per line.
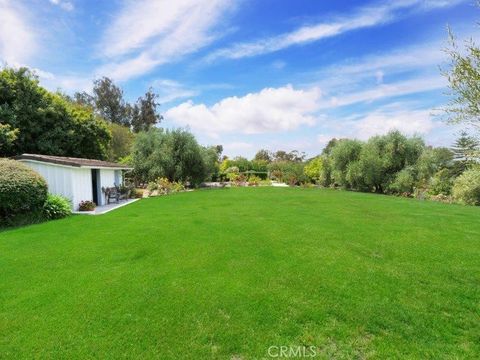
<point>270,110</point>
<point>397,116</point>
<point>65,5</point>
<point>146,34</point>
<point>17,39</point>
<point>170,90</point>
<point>408,122</point>
<point>401,88</point>
<point>68,83</point>
<point>368,16</point>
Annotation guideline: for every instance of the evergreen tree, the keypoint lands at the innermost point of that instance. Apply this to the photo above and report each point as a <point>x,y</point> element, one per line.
<point>465,148</point>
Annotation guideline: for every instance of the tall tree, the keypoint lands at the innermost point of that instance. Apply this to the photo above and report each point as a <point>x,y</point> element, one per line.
<point>293,155</point>
<point>109,101</point>
<point>465,147</point>
<point>144,113</point>
<point>174,154</point>
<point>264,155</point>
<point>84,98</point>
<point>7,137</point>
<point>122,141</point>
<point>45,122</point>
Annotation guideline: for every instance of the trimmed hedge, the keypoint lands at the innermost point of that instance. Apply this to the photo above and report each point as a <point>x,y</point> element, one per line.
<point>22,190</point>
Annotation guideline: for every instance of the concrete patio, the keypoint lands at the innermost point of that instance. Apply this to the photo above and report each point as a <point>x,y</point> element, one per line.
<point>99,210</point>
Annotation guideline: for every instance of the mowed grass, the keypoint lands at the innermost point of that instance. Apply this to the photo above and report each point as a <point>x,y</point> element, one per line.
<point>229,273</point>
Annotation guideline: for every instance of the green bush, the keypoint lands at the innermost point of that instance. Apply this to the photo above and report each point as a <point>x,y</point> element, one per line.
<point>254,180</point>
<point>163,186</point>
<point>56,207</point>
<point>404,182</point>
<point>441,183</point>
<point>177,186</point>
<point>466,188</point>
<point>22,190</point>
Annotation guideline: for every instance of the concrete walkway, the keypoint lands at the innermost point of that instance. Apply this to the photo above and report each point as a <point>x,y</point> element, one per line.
<point>99,210</point>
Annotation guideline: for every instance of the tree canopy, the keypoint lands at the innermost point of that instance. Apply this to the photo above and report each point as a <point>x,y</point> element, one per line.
<point>174,154</point>
<point>34,120</point>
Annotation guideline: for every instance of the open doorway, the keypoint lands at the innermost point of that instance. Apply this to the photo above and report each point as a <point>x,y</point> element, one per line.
<point>95,186</point>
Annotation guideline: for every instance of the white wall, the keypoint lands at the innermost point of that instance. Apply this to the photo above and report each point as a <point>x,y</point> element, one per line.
<point>81,185</point>
<point>107,179</point>
<point>74,183</point>
<point>59,178</point>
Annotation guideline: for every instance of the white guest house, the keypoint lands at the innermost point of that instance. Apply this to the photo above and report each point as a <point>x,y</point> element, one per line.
<point>75,178</point>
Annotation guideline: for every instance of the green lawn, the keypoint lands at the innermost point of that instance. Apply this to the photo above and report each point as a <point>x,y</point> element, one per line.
<point>228,273</point>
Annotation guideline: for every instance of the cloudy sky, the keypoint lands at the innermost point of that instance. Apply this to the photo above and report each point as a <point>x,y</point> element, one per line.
<point>277,74</point>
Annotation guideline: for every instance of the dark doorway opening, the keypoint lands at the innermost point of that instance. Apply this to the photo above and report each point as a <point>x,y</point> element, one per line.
<point>95,173</point>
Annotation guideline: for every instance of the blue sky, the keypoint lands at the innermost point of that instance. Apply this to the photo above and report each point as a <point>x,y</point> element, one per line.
<point>250,74</point>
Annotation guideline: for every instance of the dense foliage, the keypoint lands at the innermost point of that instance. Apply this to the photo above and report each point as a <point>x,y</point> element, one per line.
<point>173,154</point>
<point>34,120</point>
<point>56,207</point>
<point>122,141</point>
<point>22,190</point>
<point>466,188</point>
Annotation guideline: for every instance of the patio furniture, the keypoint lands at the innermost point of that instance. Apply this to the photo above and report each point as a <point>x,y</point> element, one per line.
<point>112,194</point>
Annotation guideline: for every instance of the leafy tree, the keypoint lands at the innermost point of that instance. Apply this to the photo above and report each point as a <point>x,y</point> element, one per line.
<point>463,74</point>
<point>290,172</point>
<point>330,145</point>
<point>85,99</point>
<point>260,166</point>
<point>109,102</point>
<point>342,154</point>
<point>293,155</point>
<point>47,123</point>
<point>433,160</point>
<point>7,137</point>
<point>404,181</point>
<point>225,164</point>
<point>242,163</point>
<point>88,135</point>
<point>313,168</point>
<point>144,113</point>
<point>174,154</point>
<point>210,159</point>
<point>122,141</point>
<point>263,155</point>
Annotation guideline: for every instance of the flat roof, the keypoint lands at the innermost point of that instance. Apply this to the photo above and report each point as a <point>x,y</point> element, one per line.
<point>71,161</point>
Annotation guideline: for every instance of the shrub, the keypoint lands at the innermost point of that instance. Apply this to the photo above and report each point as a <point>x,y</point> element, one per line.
<point>254,180</point>
<point>56,207</point>
<point>266,182</point>
<point>287,171</point>
<point>177,186</point>
<point>232,173</point>
<point>164,186</point>
<point>137,194</point>
<point>152,186</point>
<point>403,182</point>
<point>22,190</point>
<point>466,188</point>
<point>441,183</point>
<point>86,205</point>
